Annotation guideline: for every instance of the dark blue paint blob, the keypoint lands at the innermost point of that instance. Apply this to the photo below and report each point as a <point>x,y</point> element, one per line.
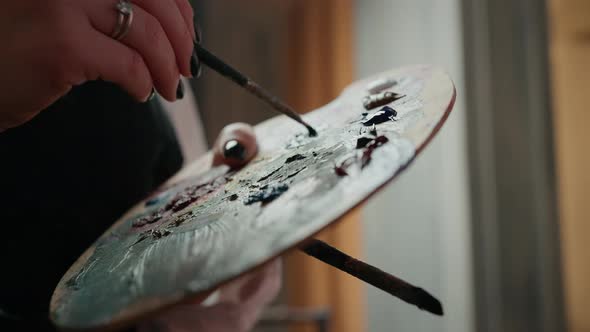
<point>157,199</point>
<point>267,194</point>
<point>385,114</point>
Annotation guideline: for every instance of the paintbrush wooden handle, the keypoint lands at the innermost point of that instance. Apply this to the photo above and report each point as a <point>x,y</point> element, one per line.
<point>220,66</point>
<point>374,276</point>
<point>226,70</point>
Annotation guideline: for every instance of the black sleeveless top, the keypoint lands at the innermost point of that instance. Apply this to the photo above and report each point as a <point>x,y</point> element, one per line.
<point>65,177</point>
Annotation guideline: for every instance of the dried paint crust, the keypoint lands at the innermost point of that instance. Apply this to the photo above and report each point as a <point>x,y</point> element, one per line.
<point>212,227</point>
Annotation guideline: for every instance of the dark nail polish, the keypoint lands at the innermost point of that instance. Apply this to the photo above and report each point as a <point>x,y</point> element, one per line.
<point>198,33</point>
<point>195,65</point>
<point>180,90</point>
<point>152,95</point>
<point>234,150</point>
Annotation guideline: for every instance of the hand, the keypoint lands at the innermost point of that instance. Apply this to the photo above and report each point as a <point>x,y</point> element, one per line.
<point>241,301</point>
<point>238,308</point>
<point>50,46</point>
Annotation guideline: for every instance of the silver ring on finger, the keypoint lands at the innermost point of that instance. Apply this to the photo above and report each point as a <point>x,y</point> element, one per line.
<point>124,19</point>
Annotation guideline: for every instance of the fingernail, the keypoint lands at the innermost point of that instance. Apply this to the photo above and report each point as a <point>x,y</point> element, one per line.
<point>195,65</point>
<point>149,97</point>
<point>234,150</point>
<point>198,33</point>
<point>180,90</point>
<point>194,34</point>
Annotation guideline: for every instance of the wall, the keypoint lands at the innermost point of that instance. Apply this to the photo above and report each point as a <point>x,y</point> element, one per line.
<point>418,228</point>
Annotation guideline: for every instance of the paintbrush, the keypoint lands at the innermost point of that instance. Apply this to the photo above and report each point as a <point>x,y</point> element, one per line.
<point>374,276</point>
<point>318,249</point>
<point>226,70</point>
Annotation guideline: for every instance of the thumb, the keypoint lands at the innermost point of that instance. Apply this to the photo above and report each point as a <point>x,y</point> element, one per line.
<point>235,146</point>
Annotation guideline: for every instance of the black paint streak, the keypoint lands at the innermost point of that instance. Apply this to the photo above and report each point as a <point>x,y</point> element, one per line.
<point>297,172</point>
<point>267,194</point>
<point>294,158</point>
<point>385,114</point>
<point>363,141</point>
<point>266,177</point>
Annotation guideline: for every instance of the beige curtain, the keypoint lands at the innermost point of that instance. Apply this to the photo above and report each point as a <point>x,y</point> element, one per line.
<point>570,61</point>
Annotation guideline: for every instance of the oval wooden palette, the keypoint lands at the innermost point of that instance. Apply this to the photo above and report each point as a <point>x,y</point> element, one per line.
<point>206,226</point>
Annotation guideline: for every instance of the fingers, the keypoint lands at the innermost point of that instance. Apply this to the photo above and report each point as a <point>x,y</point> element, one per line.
<point>149,39</point>
<point>256,288</point>
<point>235,146</point>
<point>239,307</point>
<point>186,10</point>
<point>114,62</point>
<point>171,14</point>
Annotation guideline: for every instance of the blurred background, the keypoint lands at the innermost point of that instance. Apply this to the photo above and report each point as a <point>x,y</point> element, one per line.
<point>492,218</point>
